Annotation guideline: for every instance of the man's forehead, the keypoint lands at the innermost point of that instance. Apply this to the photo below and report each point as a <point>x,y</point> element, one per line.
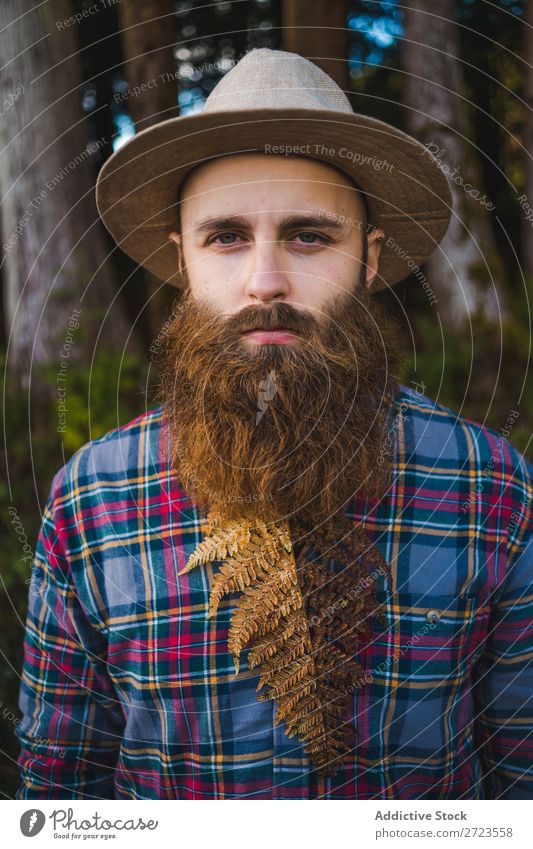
<point>245,180</point>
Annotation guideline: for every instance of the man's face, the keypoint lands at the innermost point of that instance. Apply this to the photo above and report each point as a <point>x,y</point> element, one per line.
<point>259,229</point>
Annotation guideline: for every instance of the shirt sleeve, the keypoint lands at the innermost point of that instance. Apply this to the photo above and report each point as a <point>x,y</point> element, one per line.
<point>503,682</point>
<point>72,723</point>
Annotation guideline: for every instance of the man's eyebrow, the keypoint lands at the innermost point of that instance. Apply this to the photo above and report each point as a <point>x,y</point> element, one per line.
<point>238,221</point>
<point>304,221</point>
<point>225,221</point>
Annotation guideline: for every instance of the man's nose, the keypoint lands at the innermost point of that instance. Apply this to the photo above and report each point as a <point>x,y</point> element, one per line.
<point>266,278</point>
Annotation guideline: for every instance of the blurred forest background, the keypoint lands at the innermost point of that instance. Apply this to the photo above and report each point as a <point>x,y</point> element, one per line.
<point>457,74</point>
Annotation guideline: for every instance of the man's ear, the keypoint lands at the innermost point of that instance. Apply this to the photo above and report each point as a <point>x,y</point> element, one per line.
<point>175,237</point>
<point>374,241</point>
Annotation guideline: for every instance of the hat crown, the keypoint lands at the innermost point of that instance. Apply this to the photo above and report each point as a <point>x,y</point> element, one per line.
<point>275,79</point>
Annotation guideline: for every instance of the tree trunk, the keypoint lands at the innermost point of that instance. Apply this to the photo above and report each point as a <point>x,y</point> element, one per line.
<point>465,270</point>
<point>147,33</point>
<point>319,32</point>
<point>527,231</point>
<point>54,247</point>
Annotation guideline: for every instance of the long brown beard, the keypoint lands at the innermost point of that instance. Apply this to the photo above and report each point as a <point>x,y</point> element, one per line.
<point>288,434</point>
<point>280,430</point>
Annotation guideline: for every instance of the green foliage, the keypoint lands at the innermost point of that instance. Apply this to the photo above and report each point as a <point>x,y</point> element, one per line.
<point>100,397</point>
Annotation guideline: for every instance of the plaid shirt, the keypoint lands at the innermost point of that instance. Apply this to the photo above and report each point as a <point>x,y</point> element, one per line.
<point>128,691</point>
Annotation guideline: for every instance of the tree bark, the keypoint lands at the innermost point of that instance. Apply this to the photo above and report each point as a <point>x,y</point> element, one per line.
<point>147,33</point>
<point>319,32</point>
<point>55,255</point>
<point>465,271</point>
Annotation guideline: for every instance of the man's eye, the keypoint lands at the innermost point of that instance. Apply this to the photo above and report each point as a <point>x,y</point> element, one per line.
<point>307,237</point>
<point>224,238</point>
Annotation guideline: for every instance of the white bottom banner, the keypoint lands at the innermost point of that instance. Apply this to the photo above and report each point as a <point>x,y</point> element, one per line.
<point>354,823</point>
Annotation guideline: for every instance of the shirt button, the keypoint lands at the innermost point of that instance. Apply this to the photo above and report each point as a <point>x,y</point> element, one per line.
<point>433,615</point>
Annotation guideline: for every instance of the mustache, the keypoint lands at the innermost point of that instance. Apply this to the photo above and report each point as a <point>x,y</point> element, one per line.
<point>268,318</point>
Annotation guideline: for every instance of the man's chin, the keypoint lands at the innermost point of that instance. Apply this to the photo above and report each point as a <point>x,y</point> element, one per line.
<point>271,353</point>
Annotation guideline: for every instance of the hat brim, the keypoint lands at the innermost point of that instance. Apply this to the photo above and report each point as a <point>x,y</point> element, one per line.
<point>408,195</point>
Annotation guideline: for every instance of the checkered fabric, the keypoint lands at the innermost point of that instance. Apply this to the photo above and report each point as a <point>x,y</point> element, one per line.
<point>129,692</point>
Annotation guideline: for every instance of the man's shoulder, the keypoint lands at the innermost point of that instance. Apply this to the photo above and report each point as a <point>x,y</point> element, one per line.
<point>452,453</point>
<point>124,453</point>
<point>445,435</point>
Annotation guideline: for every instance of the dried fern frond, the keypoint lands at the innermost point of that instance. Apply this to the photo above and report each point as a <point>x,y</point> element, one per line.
<point>304,663</point>
<point>218,544</point>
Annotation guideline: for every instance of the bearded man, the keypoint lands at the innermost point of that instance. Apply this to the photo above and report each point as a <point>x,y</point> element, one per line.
<point>282,582</point>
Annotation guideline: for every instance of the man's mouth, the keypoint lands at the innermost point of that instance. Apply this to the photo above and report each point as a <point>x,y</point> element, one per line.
<point>273,335</point>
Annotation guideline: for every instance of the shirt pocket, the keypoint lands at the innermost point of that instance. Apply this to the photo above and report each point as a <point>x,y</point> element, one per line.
<point>430,632</point>
<point>425,678</point>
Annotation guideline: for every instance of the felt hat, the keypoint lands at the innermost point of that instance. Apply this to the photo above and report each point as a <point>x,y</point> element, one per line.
<point>276,103</point>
